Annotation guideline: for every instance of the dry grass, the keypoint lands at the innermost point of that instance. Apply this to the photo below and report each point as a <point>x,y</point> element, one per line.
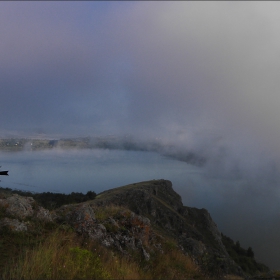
<point>104,212</point>
<point>174,265</point>
<point>63,255</point>
<point>233,277</point>
<point>170,265</point>
<point>119,267</point>
<point>58,257</point>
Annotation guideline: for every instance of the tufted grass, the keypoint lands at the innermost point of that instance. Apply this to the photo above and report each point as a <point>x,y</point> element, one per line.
<point>104,212</point>
<point>57,252</point>
<point>60,256</point>
<point>64,255</point>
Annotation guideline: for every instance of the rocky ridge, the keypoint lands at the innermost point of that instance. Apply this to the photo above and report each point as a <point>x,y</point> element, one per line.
<point>193,229</point>
<point>133,218</point>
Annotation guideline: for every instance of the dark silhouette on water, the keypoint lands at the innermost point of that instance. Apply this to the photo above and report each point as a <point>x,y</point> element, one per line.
<point>4,172</point>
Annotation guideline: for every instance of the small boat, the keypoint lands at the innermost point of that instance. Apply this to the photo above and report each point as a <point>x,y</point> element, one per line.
<point>4,172</point>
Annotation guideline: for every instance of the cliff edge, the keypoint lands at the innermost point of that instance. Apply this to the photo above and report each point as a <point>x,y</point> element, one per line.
<point>193,229</point>
<point>139,217</point>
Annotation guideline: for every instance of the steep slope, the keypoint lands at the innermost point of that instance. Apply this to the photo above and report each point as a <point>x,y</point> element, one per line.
<point>193,229</point>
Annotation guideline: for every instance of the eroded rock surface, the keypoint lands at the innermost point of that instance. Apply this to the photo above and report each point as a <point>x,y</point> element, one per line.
<point>19,208</point>
<point>193,228</point>
<point>123,231</point>
<point>13,224</point>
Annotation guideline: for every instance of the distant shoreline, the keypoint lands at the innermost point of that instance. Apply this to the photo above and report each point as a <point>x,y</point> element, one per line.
<point>106,142</point>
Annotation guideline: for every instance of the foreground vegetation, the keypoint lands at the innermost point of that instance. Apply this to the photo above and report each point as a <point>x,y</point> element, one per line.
<point>59,253</point>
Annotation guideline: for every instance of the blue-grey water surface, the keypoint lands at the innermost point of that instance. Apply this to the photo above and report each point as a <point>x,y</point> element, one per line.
<point>82,170</point>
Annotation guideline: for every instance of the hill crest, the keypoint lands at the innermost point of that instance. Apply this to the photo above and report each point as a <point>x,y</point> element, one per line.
<point>139,217</point>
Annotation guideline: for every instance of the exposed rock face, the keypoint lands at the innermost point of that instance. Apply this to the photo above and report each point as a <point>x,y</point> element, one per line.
<point>43,214</point>
<point>13,224</point>
<point>18,208</point>
<point>193,228</point>
<point>80,216</point>
<point>123,231</point>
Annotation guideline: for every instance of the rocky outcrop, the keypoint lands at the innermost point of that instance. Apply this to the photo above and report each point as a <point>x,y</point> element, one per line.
<point>17,209</point>
<point>194,229</point>
<point>18,206</point>
<point>133,217</point>
<point>13,224</point>
<point>122,230</point>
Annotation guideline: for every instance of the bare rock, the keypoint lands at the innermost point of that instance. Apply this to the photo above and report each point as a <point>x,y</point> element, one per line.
<point>192,228</point>
<point>18,206</point>
<point>108,241</point>
<point>195,247</point>
<point>98,231</point>
<point>13,224</point>
<point>124,231</point>
<point>146,255</point>
<point>81,217</point>
<point>43,214</point>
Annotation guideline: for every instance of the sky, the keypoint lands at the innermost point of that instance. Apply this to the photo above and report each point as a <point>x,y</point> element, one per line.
<point>203,76</point>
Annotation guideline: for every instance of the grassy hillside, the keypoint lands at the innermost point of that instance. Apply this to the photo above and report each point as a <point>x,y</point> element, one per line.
<point>57,252</point>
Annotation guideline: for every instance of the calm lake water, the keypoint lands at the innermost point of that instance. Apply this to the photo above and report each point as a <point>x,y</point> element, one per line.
<point>82,170</point>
